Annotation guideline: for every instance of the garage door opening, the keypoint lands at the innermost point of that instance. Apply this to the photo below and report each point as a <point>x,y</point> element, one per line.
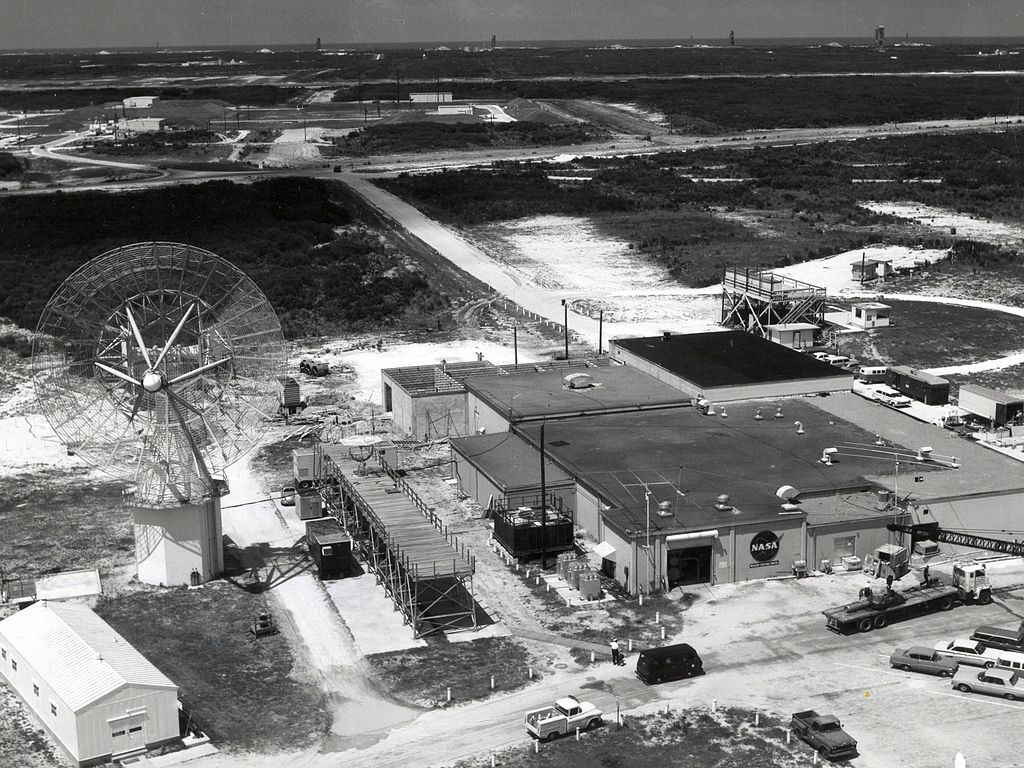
<point>689,566</point>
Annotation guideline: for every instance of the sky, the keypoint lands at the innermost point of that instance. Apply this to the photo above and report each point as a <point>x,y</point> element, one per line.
<point>26,24</point>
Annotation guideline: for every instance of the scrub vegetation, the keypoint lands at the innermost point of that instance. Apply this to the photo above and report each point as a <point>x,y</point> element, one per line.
<point>244,693</point>
<point>420,676</point>
<point>315,252</point>
<point>726,738</point>
<point>696,212</point>
<point>433,136</point>
<point>63,520</point>
<point>23,743</point>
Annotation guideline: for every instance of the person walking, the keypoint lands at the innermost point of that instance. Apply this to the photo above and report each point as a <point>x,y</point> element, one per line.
<point>616,654</point>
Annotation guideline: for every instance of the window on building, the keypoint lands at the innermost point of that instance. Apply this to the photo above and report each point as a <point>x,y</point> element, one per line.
<point>3,653</point>
<point>844,546</point>
<point>117,734</point>
<point>53,710</point>
<point>14,665</point>
<point>135,729</point>
<point>35,689</point>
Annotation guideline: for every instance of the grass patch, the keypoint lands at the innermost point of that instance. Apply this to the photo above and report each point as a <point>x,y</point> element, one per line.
<point>929,335</point>
<point>241,691</point>
<point>22,742</point>
<point>723,739</point>
<point>59,520</point>
<point>421,675</point>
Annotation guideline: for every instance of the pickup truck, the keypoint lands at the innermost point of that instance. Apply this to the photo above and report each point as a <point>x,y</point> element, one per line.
<point>824,733</point>
<point>568,714</point>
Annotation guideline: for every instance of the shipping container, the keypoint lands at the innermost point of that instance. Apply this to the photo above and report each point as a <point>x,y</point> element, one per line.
<point>921,386</point>
<point>330,547</point>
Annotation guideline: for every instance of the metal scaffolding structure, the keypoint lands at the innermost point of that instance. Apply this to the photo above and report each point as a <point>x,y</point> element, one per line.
<point>421,565</point>
<point>752,301</point>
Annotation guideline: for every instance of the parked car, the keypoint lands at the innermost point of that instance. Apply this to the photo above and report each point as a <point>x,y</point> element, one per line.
<point>288,496</point>
<point>972,652</point>
<point>824,733</point>
<point>994,682</point>
<point>568,714</point>
<point>917,658</point>
<point>1002,638</point>
<point>892,398</point>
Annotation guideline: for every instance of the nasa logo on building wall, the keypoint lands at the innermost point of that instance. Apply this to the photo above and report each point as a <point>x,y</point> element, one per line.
<point>764,546</point>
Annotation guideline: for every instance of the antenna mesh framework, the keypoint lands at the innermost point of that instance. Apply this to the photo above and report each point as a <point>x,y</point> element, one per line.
<point>208,332</point>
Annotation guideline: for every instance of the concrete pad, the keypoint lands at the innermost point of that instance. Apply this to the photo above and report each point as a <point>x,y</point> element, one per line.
<point>183,756</point>
<point>491,630</point>
<point>69,584</point>
<point>377,626</point>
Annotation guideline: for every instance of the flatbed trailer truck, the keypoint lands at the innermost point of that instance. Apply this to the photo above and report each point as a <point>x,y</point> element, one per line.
<point>874,611</point>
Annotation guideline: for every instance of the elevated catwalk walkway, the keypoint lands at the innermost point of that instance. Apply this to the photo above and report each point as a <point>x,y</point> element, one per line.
<point>423,567</point>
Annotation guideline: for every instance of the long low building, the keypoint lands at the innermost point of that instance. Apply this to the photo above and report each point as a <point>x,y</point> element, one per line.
<point>98,696</point>
<point>724,366</point>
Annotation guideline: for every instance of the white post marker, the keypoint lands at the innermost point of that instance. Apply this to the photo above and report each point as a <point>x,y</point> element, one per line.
<point>536,746</point>
<point>577,733</point>
<point>714,705</point>
<point>492,682</point>
<point>757,718</point>
<point>531,673</point>
<point>449,694</point>
<point>631,646</point>
<point>662,633</point>
<point>592,657</point>
<point>789,735</point>
<point>657,617</point>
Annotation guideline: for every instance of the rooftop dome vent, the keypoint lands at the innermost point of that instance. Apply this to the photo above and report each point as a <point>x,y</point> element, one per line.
<point>578,381</point>
<point>787,493</point>
<point>664,509</point>
<point>722,503</point>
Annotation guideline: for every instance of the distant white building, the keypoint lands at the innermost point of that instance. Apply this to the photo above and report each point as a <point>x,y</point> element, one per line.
<point>96,694</point>
<point>430,97</point>
<point>142,124</point>
<point>140,102</point>
<point>455,109</point>
<point>870,314</point>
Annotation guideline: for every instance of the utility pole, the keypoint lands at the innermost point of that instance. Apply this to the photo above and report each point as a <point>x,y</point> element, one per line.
<point>515,345</point>
<point>565,306</point>
<point>398,86</point>
<point>543,503</point>
<point>600,330</point>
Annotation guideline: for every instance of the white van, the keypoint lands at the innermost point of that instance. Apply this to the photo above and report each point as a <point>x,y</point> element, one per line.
<point>872,374</point>
<point>1011,660</point>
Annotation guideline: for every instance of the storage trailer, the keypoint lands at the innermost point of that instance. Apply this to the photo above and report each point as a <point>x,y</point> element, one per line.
<point>330,547</point>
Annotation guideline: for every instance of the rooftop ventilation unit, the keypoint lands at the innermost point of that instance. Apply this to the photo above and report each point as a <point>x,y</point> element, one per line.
<point>664,509</point>
<point>578,381</point>
<point>722,503</point>
<point>925,453</point>
<point>826,456</point>
<point>799,427</point>
<point>787,493</point>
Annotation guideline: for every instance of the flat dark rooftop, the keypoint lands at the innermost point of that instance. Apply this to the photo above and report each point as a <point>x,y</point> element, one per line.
<point>728,358</point>
<point>688,460</point>
<point>544,394</point>
<point>508,461</point>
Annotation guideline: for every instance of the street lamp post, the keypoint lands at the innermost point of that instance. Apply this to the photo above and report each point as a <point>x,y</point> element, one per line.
<point>647,505</point>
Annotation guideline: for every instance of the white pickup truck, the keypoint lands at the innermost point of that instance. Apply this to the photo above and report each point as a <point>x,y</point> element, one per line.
<point>566,716</point>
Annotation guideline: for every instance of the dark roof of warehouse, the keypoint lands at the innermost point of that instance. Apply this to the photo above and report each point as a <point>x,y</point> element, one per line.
<point>688,460</point>
<point>726,358</point>
<point>508,461</point>
<point>531,394</point>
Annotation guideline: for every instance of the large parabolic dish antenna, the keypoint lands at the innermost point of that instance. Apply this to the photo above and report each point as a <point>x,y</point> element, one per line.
<point>157,363</point>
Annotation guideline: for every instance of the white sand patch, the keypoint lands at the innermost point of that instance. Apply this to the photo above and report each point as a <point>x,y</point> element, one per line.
<point>566,254</point>
<point>998,232</point>
<point>27,442</point>
<point>835,273</point>
<point>650,115</point>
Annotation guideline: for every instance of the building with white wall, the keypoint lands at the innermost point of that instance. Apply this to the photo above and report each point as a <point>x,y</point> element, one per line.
<point>96,694</point>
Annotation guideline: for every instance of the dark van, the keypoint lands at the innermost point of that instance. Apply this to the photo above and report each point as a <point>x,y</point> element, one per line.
<point>1003,639</point>
<point>670,662</point>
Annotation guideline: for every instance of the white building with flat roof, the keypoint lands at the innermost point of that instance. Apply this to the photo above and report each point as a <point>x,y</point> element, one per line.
<point>95,693</point>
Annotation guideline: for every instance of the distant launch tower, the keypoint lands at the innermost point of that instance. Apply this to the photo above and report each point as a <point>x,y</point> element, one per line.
<point>880,37</point>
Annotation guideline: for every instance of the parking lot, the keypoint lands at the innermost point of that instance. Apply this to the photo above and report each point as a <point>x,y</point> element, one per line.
<point>765,645</point>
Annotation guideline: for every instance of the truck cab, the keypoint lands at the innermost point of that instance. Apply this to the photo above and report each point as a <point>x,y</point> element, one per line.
<point>972,581</point>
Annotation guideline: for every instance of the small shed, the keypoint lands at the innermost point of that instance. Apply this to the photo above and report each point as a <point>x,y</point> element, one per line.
<point>998,407</point>
<point>430,97</point>
<point>139,102</point>
<point>793,335</point>
<point>143,124</point>
<point>870,314</point>
<point>330,547</point>
<point>96,695</point>
<point>921,386</point>
<point>871,269</point>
